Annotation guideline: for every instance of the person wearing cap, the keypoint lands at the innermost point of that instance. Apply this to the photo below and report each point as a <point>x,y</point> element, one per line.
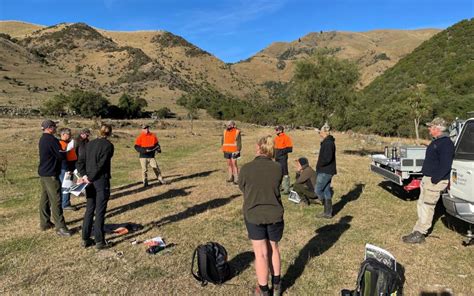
<point>325,170</point>
<point>94,165</point>
<point>231,143</point>
<point>50,158</point>
<point>147,144</point>
<point>436,170</point>
<point>68,165</point>
<point>283,146</point>
<point>305,180</point>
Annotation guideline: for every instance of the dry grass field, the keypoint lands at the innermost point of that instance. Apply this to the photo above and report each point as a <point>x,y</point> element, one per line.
<point>319,257</point>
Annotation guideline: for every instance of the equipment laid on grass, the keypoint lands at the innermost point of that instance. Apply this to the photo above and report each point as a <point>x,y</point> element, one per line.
<point>377,275</point>
<point>294,197</point>
<point>212,265</point>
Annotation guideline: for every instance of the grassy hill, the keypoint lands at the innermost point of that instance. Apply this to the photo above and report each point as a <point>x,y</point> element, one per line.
<point>373,52</point>
<point>161,66</point>
<point>156,65</point>
<point>440,71</point>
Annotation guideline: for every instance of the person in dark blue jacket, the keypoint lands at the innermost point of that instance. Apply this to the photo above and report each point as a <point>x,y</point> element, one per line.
<point>325,170</point>
<point>49,169</point>
<point>436,170</point>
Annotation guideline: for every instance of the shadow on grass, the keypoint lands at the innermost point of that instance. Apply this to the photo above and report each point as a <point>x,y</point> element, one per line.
<point>326,236</point>
<point>127,186</point>
<point>154,184</point>
<point>195,175</point>
<point>241,262</point>
<point>352,195</point>
<point>399,192</point>
<point>361,152</point>
<point>142,202</point>
<point>189,212</point>
<point>457,225</point>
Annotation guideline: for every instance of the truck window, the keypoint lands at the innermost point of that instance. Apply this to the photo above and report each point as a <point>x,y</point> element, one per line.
<point>465,147</point>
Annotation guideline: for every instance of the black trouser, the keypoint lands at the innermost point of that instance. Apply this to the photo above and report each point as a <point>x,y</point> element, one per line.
<point>97,194</point>
<point>50,203</point>
<point>284,164</point>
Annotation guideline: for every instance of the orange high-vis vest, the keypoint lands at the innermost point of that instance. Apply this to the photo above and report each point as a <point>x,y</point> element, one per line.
<point>282,141</point>
<point>230,140</point>
<point>146,140</point>
<point>71,154</point>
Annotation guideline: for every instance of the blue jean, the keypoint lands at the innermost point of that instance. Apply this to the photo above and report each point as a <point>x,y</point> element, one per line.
<point>323,188</point>
<point>65,197</point>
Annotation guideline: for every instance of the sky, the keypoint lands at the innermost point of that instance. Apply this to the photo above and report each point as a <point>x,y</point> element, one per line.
<point>234,30</point>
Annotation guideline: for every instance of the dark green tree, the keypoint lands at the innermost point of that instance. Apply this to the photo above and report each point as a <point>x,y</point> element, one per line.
<point>88,104</point>
<point>322,88</point>
<point>56,106</point>
<point>131,107</point>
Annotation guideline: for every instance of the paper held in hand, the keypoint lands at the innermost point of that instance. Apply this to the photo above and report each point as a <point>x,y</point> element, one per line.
<point>76,189</point>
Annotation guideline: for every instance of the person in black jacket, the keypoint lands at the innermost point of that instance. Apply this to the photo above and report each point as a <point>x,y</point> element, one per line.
<point>49,169</point>
<point>94,166</point>
<point>436,171</point>
<point>325,170</point>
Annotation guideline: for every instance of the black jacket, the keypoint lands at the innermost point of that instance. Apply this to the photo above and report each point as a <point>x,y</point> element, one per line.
<point>438,159</point>
<point>95,162</point>
<point>50,156</point>
<point>327,157</point>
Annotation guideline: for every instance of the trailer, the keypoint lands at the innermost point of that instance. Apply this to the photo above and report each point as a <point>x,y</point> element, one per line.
<point>400,165</point>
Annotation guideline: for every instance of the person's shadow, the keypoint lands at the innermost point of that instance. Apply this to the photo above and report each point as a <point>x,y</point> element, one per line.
<point>326,236</point>
<point>188,213</point>
<point>241,262</point>
<point>352,195</point>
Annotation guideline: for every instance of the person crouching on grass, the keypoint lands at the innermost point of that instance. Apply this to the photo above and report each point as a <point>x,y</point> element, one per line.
<point>94,167</point>
<point>260,182</point>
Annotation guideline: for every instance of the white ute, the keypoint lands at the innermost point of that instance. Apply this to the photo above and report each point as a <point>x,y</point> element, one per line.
<point>459,198</point>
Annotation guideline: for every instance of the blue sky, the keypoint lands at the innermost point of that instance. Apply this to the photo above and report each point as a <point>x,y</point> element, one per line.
<point>236,29</point>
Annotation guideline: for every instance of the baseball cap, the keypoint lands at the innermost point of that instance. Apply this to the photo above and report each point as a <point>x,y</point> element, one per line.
<point>303,160</point>
<point>437,121</point>
<point>145,125</point>
<point>48,123</point>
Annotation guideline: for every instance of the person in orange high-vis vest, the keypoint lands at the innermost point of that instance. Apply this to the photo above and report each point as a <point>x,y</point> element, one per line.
<point>68,165</point>
<point>283,146</point>
<point>147,145</point>
<point>231,146</point>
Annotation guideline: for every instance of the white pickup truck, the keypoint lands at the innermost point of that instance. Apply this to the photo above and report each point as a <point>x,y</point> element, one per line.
<point>459,198</point>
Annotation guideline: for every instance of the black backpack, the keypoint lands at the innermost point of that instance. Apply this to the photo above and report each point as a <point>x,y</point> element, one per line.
<point>377,279</point>
<point>212,265</point>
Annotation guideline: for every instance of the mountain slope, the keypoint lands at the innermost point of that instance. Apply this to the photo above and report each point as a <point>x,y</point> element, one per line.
<point>441,71</point>
<point>373,52</point>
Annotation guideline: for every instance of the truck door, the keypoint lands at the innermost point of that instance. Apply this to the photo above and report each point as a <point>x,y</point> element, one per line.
<point>462,172</point>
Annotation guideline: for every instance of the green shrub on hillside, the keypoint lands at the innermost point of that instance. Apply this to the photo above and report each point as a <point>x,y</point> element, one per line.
<point>443,65</point>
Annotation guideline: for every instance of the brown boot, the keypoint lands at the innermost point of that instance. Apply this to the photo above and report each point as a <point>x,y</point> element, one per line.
<point>230,179</point>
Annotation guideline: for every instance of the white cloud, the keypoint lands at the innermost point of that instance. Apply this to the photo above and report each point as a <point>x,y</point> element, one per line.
<point>226,20</point>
